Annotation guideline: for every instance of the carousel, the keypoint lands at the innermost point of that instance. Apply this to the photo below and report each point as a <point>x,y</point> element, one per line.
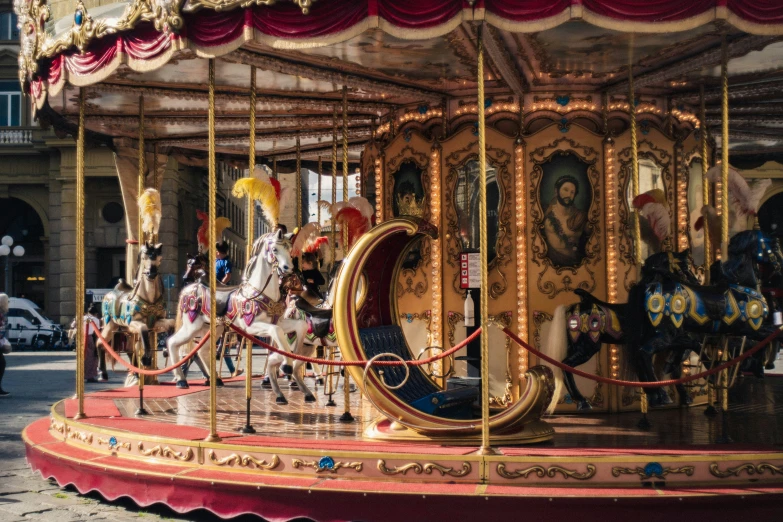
<point>551,291</point>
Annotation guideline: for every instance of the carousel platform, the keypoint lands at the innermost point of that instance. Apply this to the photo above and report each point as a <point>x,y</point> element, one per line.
<point>304,462</point>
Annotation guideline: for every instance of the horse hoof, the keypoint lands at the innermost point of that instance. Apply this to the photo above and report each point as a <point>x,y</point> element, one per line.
<point>584,406</point>
<point>319,380</point>
<point>266,383</point>
<point>219,383</point>
<point>281,400</point>
<point>287,369</point>
<point>309,398</point>
<point>146,360</point>
<point>182,385</point>
<point>165,354</point>
<point>686,400</point>
<point>293,384</point>
<point>770,366</point>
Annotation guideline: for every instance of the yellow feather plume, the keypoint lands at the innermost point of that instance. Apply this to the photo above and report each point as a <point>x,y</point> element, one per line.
<point>221,224</point>
<point>150,208</point>
<point>262,192</point>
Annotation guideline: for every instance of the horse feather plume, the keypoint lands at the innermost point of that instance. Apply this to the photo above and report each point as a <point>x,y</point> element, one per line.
<point>352,220</point>
<point>743,198</point>
<point>221,224</point>
<point>307,233</point>
<point>315,245</point>
<point>150,208</point>
<point>260,187</point>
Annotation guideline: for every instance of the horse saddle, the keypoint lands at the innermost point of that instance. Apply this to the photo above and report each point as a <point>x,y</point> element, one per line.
<point>319,318</point>
<point>222,298</point>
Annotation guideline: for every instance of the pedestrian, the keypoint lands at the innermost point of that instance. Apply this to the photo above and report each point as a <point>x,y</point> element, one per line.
<point>91,344</point>
<point>5,346</point>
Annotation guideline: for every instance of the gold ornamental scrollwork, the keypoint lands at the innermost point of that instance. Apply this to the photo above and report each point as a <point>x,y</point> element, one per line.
<point>245,461</point>
<point>749,468</point>
<point>550,471</point>
<point>228,5</point>
<point>652,471</point>
<point>80,436</point>
<point>36,43</point>
<point>59,427</point>
<point>167,452</point>
<point>546,285</point>
<point>332,467</point>
<point>427,468</point>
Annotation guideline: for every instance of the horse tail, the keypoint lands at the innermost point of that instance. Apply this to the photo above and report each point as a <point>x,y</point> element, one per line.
<point>556,347</point>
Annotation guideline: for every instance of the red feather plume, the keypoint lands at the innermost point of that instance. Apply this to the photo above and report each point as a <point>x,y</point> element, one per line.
<point>354,221</point>
<point>278,188</point>
<point>203,231</point>
<point>315,245</point>
<point>642,199</point>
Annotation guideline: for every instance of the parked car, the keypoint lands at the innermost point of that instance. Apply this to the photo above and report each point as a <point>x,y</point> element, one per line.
<point>28,326</point>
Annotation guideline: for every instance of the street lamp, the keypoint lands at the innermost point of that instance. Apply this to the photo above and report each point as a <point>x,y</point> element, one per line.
<point>5,250</point>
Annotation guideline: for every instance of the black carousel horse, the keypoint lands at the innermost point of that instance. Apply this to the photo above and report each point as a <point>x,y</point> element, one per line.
<point>578,330</point>
<point>670,313</point>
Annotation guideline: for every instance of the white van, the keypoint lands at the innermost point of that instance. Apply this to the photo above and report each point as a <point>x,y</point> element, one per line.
<point>27,326</point>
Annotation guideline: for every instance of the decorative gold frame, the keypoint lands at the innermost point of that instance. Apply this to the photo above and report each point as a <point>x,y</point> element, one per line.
<point>502,320</point>
<point>538,249</point>
<point>501,160</point>
<point>662,159</point>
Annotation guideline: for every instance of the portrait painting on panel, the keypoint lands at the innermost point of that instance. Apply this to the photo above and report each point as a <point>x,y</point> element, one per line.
<point>566,195</point>
<point>408,197</point>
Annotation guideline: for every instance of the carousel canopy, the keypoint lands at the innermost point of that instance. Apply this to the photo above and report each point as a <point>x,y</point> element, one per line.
<point>393,55</point>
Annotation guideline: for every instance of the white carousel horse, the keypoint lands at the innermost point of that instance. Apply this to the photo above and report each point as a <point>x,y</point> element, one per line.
<point>140,308</point>
<point>255,307</point>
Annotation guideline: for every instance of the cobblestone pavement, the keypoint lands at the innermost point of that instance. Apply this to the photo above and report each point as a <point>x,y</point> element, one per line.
<point>37,380</point>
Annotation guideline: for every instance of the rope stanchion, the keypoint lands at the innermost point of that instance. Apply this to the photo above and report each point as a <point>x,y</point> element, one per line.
<point>327,362</point>
<point>142,371</point>
<point>641,384</point>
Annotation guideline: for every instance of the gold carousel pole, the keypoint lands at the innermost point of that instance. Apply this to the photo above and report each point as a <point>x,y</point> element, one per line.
<point>705,184</point>
<point>637,236</point>
<point>213,436</point>
<point>724,151</point>
<point>486,448</point>
<point>80,324</point>
<point>318,207</point>
<point>142,182</point>
<point>724,183</point>
<point>346,416</point>
<point>251,164</point>
<point>330,383</point>
<point>299,209</point>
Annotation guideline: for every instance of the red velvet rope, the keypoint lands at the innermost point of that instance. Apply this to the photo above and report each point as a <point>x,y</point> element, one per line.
<point>639,384</point>
<point>141,370</point>
<point>356,363</point>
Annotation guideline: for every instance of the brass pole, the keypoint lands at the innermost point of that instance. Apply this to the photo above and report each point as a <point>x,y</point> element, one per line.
<point>334,184</point>
<point>318,206</point>
<point>486,448</point>
<point>346,417</point>
<point>251,233</point>
<point>142,181</point>
<point>705,184</point>
<point>345,143</point>
<point>213,377</point>
<point>299,210</point>
<point>724,149</point>
<point>80,327</point>
<point>637,237</point>
<point>274,159</point>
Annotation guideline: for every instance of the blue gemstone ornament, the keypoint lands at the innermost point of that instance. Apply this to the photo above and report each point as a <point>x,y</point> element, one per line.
<point>78,17</point>
<point>563,100</point>
<point>653,469</point>
<point>326,463</point>
<point>113,441</point>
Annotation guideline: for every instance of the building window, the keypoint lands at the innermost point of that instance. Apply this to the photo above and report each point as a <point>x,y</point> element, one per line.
<point>8,29</point>
<point>10,104</point>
